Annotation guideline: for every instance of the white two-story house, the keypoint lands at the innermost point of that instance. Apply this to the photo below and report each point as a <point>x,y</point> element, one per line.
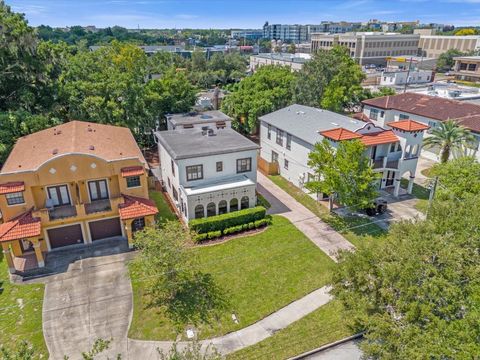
<point>289,135</point>
<point>208,172</point>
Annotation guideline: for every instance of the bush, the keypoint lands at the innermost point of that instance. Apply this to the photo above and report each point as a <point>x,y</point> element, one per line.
<point>214,234</point>
<point>224,221</point>
<point>261,223</point>
<point>200,237</point>
<point>251,225</point>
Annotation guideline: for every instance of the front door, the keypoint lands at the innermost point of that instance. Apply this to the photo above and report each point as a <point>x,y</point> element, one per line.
<point>390,178</point>
<point>59,195</point>
<point>98,190</point>
<point>374,152</point>
<point>274,157</point>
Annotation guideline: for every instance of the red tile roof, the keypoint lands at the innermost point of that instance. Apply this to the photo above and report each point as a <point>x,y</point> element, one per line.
<point>471,122</point>
<point>21,227</point>
<point>361,116</point>
<point>132,171</point>
<point>136,207</point>
<point>408,125</point>
<point>378,138</point>
<point>339,134</point>
<point>433,107</point>
<point>12,187</point>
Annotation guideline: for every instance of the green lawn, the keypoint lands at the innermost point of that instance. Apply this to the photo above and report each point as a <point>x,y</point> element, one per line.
<point>20,313</point>
<point>164,211</point>
<point>355,229</point>
<point>260,273</point>
<point>323,326</point>
<point>421,193</point>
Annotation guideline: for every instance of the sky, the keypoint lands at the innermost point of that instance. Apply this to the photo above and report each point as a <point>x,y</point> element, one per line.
<point>240,13</point>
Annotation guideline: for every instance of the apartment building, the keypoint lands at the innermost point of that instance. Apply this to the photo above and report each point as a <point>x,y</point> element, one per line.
<point>432,46</point>
<point>71,185</point>
<point>196,120</point>
<point>369,48</point>
<point>293,61</point>
<point>208,172</point>
<point>290,33</point>
<point>467,68</point>
<point>288,135</point>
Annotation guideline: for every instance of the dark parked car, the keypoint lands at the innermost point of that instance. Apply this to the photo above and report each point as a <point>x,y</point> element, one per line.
<point>379,207</point>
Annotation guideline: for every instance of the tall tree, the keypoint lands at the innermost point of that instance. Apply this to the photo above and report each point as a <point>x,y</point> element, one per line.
<point>416,294</point>
<point>344,172</point>
<point>331,80</point>
<point>450,138</point>
<point>267,90</point>
<point>445,61</point>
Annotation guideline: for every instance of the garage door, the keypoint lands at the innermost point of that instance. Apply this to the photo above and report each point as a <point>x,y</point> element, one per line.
<point>105,228</point>
<point>64,236</point>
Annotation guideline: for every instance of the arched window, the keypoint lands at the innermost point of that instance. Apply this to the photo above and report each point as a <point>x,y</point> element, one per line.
<point>234,204</point>
<point>222,207</point>
<point>244,202</point>
<point>199,212</point>
<point>211,209</point>
<point>415,150</point>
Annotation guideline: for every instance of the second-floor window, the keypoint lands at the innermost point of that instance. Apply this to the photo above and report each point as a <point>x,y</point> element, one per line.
<point>280,137</point>
<point>133,181</point>
<point>374,114</point>
<point>15,198</point>
<point>194,172</point>
<point>219,166</point>
<point>289,142</point>
<point>403,117</point>
<point>98,190</point>
<point>269,131</point>
<point>244,165</point>
<point>173,167</point>
<point>59,195</point>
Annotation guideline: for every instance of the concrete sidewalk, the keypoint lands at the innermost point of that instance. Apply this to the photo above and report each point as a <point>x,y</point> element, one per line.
<point>240,339</point>
<point>319,232</point>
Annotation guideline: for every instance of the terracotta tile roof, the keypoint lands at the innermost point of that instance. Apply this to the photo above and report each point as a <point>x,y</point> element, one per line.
<point>471,122</point>
<point>361,116</point>
<point>432,107</point>
<point>339,134</point>
<point>135,207</point>
<point>23,226</point>
<point>408,125</point>
<point>378,138</point>
<point>132,171</point>
<point>107,142</point>
<point>11,187</point>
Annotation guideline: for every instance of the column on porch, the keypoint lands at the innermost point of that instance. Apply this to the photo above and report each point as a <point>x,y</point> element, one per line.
<point>38,252</point>
<point>7,252</point>
<point>410,184</point>
<point>128,230</point>
<point>396,190</point>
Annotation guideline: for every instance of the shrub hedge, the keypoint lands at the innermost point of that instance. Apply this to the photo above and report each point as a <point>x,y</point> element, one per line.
<point>232,230</point>
<point>224,221</point>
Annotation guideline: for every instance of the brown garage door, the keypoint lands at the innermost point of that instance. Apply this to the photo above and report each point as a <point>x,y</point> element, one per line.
<point>105,228</point>
<point>64,236</point>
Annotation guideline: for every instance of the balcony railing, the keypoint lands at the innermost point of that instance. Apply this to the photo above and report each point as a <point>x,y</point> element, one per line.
<point>98,206</point>
<point>62,212</point>
<point>385,163</point>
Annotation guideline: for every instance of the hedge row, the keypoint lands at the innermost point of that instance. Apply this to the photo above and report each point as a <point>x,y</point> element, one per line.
<point>228,220</point>
<point>232,230</point>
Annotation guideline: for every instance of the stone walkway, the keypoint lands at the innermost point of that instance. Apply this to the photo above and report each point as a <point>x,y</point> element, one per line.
<point>250,335</point>
<point>319,232</point>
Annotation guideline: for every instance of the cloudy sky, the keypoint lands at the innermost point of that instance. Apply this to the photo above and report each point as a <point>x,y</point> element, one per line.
<point>240,13</point>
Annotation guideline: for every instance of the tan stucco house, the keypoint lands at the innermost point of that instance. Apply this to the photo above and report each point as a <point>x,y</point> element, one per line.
<point>72,184</point>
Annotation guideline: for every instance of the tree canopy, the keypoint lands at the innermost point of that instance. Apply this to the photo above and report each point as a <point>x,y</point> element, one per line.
<point>466,31</point>
<point>416,294</point>
<point>445,61</point>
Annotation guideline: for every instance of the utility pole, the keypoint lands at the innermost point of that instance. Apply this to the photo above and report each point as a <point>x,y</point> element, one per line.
<point>433,189</point>
<point>408,73</point>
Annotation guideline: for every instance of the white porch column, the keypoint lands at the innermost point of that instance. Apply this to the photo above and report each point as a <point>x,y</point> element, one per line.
<point>396,191</point>
<point>410,184</point>
<point>39,255</point>
<point>8,256</point>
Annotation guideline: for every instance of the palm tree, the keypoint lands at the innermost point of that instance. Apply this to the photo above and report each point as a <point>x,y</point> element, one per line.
<point>449,137</point>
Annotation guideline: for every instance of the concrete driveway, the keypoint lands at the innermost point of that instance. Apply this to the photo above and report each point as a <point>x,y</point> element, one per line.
<point>91,300</point>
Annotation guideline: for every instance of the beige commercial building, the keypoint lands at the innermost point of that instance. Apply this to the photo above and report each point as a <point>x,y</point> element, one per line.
<point>369,48</point>
<point>467,68</point>
<point>432,46</point>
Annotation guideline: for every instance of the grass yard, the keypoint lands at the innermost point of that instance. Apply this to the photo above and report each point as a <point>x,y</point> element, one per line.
<point>323,326</point>
<point>260,273</point>
<point>20,313</point>
<point>164,211</point>
<point>421,193</point>
<point>355,229</point>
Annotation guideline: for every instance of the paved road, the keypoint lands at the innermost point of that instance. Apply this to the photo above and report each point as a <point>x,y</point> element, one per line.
<point>92,300</point>
<point>319,232</point>
<point>345,351</point>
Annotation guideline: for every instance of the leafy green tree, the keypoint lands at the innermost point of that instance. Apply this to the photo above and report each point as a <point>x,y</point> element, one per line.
<point>171,277</point>
<point>331,80</point>
<point>267,90</point>
<point>416,294</point>
<point>459,178</point>
<point>450,138</point>
<point>445,61</point>
<point>199,61</point>
<point>291,49</point>
<point>344,172</point>
<point>381,91</point>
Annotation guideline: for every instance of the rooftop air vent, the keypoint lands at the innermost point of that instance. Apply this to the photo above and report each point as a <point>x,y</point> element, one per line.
<point>334,123</point>
<point>206,117</point>
<point>89,129</point>
<point>210,132</point>
<point>55,151</point>
<point>300,112</point>
<point>91,147</point>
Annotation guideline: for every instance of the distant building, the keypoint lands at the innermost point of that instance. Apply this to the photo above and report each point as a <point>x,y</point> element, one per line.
<point>214,119</point>
<point>433,46</point>
<point>402,77</point>
<point>290,33</point>
<point>369,47</point>
<point>247,34</point>
<point>450,91</point>
<point>467,68</point>
<point>293,61</point>
<point>211,99</point>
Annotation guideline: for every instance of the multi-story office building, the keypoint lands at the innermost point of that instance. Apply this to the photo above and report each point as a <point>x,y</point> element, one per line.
<point>291,33</point>
<point>432,46</point>
<point>250,34</point>
<point>369,48</point>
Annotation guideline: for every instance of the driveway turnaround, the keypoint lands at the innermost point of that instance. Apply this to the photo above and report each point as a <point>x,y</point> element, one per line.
<point>250,335</point>
<point>92,300</point>
<point>319,232</point>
